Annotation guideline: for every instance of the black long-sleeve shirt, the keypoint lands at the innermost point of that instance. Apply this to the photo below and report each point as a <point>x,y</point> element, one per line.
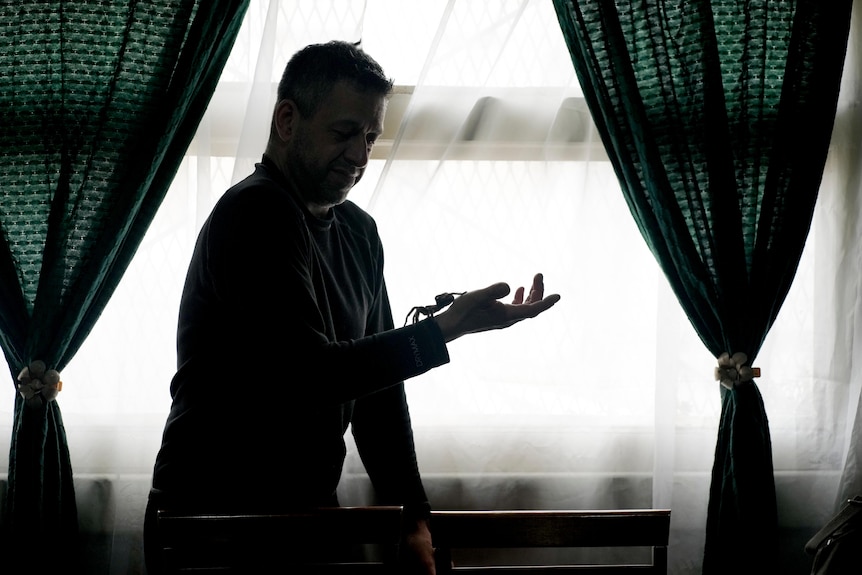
<point>285,338</point>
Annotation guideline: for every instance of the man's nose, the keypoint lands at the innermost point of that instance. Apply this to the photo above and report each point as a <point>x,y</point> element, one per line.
<point>358,151</point>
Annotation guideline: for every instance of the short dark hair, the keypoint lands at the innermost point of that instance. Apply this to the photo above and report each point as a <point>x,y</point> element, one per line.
<point>313,71</point>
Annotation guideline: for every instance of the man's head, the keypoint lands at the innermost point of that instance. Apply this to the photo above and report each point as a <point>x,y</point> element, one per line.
<point>313,71</point>
<point>331,103</point>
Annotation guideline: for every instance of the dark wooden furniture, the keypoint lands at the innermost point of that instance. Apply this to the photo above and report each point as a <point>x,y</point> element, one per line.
<point>278,543</point>
<point>325,540</point>
<point>525,531</point>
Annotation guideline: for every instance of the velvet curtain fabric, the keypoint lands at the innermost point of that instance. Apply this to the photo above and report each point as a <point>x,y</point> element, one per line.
<point>717,117</point>
<point>98,103</point>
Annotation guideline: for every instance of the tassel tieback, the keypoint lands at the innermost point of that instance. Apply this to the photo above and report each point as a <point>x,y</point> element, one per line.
<point>732,371</point>
<point>37,384</point>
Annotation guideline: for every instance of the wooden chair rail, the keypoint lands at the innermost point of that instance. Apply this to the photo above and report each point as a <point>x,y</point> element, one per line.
<point>647,528</point>
<point>277,543</point>
<point>263,543</point>
<point>528,528</point>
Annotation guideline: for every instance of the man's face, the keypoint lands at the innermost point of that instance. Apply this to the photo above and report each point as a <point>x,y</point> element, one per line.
<point>329,151</point>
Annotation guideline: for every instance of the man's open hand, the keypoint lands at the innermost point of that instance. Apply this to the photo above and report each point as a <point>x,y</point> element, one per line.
<point>481,310</point>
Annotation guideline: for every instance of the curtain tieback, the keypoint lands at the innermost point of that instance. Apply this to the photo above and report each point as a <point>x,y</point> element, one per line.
<point>732,371</point>
<point>37,384</point>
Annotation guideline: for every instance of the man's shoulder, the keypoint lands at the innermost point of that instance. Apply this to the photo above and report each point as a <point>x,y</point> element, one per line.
<point>259,197</point>
<point>258,187</point>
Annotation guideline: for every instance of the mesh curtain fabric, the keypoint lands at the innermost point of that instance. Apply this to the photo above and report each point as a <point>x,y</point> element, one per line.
<point>98,103</point>
<point>717,117</point>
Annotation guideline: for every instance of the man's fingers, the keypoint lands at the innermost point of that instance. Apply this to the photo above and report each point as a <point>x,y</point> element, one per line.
<point>537,292</point>
<point>497,290</point>
<point>519,296</point>
<point>533,308</point>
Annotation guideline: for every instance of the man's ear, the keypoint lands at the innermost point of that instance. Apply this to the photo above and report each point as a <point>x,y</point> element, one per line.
<point>284,117</point>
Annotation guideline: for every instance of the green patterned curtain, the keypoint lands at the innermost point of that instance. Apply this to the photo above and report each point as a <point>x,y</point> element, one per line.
<point>717,117</point>
<point>98,103</point>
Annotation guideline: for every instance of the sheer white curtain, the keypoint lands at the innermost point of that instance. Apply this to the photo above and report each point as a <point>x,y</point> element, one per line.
<point>840,212</point>
<point>490,170</point>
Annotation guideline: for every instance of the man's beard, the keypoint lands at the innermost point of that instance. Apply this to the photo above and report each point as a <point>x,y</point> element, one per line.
<point>315,179</point>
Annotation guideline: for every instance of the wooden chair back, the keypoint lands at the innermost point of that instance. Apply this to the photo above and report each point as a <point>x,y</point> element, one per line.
<point>315,541</point>
<point>531,530</point>
<point>261,544</point>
